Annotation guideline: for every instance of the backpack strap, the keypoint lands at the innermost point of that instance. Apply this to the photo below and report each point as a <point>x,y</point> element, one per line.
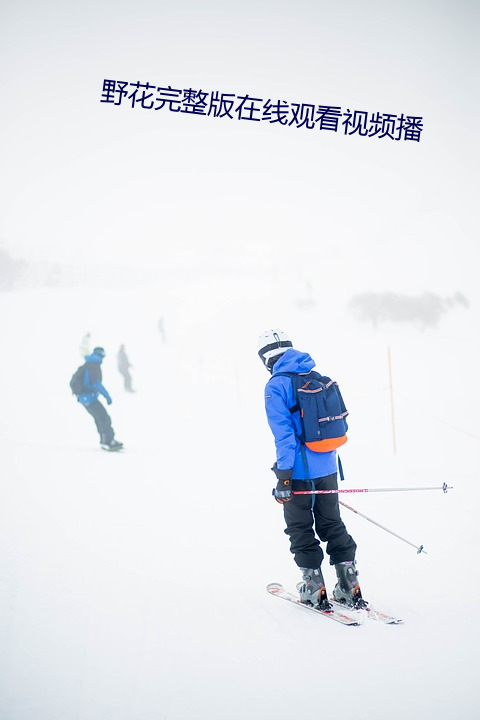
<point>304,458</point>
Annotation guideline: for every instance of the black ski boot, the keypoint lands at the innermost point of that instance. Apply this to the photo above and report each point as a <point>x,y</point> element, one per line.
<point>347,590</point>
<point>112,446</point>
<point>312,589</point>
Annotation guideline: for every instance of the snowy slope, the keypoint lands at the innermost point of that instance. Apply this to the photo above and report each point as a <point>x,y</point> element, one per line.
<point>116,569</point>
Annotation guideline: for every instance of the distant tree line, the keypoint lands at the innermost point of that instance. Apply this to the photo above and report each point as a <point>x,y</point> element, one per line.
<point>426,309</point>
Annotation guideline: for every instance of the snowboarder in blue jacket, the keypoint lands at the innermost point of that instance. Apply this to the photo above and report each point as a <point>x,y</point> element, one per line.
<point>309,518</point>
<point>92,388</point>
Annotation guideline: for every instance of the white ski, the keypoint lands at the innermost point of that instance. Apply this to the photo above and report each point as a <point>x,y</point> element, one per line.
<point>371,613</point>
<point>336,613</point>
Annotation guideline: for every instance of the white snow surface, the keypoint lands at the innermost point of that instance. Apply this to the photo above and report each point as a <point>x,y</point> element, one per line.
<point>133,584</point>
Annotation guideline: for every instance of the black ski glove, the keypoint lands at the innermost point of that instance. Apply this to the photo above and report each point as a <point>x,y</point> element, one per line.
<point>283,492</point>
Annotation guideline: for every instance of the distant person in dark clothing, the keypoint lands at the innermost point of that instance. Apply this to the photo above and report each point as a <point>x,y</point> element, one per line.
<point>88,397</point>
<point>124,368</point>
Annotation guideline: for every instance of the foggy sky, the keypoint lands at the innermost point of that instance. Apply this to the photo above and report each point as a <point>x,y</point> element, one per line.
<point>89,182</point>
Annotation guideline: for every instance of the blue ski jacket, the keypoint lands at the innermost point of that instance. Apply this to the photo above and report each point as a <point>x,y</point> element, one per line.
<point>93,381</point>
<point>286,427</point>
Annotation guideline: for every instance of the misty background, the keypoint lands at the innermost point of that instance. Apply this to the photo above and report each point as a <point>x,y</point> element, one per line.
<point>87,183</point>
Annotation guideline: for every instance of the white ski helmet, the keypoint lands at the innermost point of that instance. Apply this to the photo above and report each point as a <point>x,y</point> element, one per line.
<point>271,344</point>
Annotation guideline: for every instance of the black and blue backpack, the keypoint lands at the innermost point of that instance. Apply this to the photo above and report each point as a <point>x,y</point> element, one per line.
<point>322,410</point>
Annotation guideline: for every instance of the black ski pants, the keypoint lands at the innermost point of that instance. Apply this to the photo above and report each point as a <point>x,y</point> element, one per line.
<point>102,421</point>
<point>310,517</point>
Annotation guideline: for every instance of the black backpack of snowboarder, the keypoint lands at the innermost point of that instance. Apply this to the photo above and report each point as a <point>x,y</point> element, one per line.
<point>77,382</point>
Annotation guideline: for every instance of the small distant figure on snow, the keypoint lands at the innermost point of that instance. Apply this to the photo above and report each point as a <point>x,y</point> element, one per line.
<point>161,329</point>
<point>85,345</point>
<point>86,384</point>
<point>124,368</point>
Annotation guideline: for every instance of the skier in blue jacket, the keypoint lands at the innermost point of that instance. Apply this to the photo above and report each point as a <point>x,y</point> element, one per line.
<point>309,518</point>
<point>92,388</point>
